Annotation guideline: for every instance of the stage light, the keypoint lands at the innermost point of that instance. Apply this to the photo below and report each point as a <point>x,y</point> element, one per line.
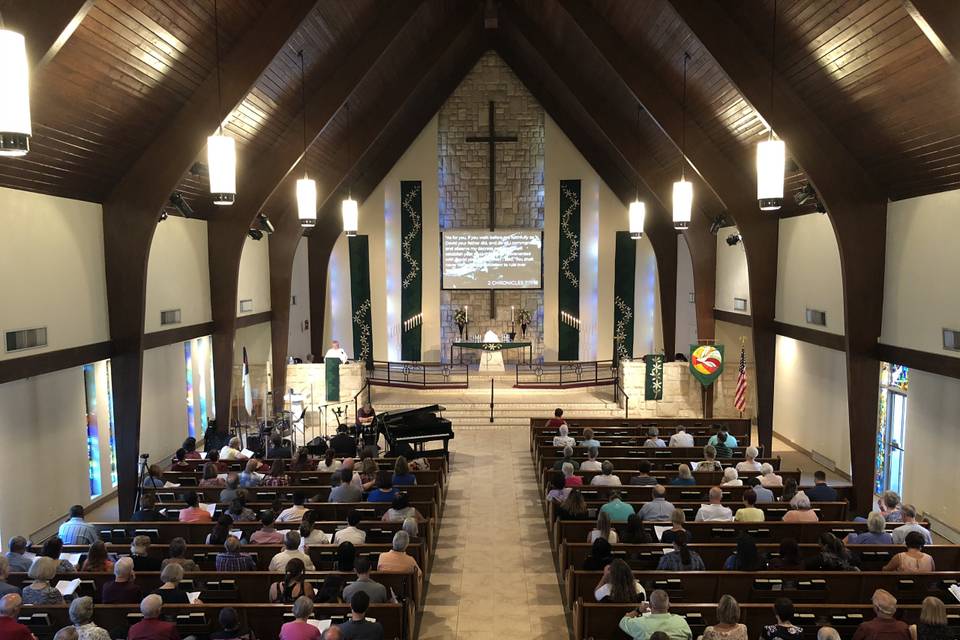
<point>256,234</point>
<point>717,223</point>
<point>163,216</point>
<point>263,223</point>
<point>178,201</point>
<point>638,214</point>
<point>734,239</point>
<point>15,127</point>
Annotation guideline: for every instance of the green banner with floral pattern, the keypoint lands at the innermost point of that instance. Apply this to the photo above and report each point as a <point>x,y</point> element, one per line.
<point>360,304</point>
<point>568,287</point>
<point>411,271</point>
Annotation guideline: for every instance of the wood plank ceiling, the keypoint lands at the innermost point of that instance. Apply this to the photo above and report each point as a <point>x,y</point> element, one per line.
<point>863,65</point>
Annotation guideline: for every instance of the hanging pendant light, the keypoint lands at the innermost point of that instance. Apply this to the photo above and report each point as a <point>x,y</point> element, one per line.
<point>772,152</point>
<point>638,214</point>
<point>306,188</point>
<point>683,188</point>
<point>15,129</point>
<point>221,149</point>
<point>348,209</point>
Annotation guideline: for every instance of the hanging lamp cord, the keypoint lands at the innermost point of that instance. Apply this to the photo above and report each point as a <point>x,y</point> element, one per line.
<point>303,103</point>
<point>349,155</point>
<point>639,109</point>
<point>773,61</point>
<point>683,121</point>
<point>216,46</point>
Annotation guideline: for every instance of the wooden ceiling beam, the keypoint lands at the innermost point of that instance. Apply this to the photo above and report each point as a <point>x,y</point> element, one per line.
<point>940,22</point>
<point>131,213</point>
<point>391,130</point>
<point>856,205</point>
<point>716,176</point>
<point>261,177</point>
<point>521,42</point>
<point>45,30</point>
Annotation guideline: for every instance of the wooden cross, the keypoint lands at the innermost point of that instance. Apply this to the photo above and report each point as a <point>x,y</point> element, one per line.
<point>492,139</point>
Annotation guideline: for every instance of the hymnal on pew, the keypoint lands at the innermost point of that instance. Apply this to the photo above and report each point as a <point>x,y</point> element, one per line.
<point>68,587</point>
<point>73,558</point>
<point>209,507</point>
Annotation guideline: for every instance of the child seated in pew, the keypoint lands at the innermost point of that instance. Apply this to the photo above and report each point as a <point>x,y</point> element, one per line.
<point>618,584</point>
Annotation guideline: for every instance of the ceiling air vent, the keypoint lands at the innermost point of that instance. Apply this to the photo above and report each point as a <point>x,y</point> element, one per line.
<point>817,317</point>
<point>246,306</point>
<point>171,316</point>
<point>25,339</point>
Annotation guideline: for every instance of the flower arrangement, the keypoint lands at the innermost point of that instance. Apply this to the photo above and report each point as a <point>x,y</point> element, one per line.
<point>460,317</point>
<point>523,316</point>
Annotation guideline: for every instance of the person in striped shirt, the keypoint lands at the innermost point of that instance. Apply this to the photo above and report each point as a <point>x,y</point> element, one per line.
<point>75,530</point>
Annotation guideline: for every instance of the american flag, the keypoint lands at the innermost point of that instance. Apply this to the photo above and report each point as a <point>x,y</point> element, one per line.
<point>740,397</point>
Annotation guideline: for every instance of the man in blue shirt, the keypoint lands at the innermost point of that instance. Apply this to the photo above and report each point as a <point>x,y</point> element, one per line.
<point>588,439</point>
<point>75,530</point>
<point>821,492</point>
<point>723,436</point>
<point>617,509</point>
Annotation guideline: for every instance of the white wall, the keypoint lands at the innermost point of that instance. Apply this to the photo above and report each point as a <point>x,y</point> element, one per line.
<point>930,470</point>
<point>254,280</point>
<point>51,252</point>
<point>298,337</point>
<point>257,339</point>
<point>648,325</point>
<point>922,262</point>
<point>337,323</point>
<point>178,274</point>
<point>163,408</point>
<point>43,419</point>
<point>686,310</point>
<point>810,399</point>
<point>808,272</point>
<point>732,280</point>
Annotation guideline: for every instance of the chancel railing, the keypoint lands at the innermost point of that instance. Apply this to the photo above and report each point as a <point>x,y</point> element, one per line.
<point>419,375</point>
<point>554,375</point>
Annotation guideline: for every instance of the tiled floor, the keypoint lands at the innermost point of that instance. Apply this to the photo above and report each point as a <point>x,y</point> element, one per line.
<point>493,575</point>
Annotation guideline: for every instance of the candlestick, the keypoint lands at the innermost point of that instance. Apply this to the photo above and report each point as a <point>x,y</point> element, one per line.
<point>466,313</point>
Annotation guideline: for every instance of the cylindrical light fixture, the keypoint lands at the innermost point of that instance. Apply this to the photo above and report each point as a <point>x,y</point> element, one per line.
<point>638,213</point>
<point>771,155</point>
<point>15,129</point>
<point>222,165</point>
<point>307,202</point>
<point>351,216</point>
<point>682,203</point>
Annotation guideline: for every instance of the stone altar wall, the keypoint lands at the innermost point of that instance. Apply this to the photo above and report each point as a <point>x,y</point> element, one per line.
<point>309,380</point>
<point>681,392</point>
<point>464,189</point>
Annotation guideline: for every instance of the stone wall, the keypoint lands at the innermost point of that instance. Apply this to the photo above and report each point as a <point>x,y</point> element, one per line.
<point>681,392</point>
<point>464,188</point>
<point>309,380</point>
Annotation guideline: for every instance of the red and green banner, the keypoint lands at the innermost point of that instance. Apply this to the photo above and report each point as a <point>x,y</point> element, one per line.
<point>706,362</point>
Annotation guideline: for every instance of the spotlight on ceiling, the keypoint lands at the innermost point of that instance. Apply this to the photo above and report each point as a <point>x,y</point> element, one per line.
<point>734,239</point>
<point>163,216</point>
<point>717,223</point>
<point>199,170</point>
<point>178,201</point>
<point>256,234</point>
<point>805,195</point>
<point>263,223</point>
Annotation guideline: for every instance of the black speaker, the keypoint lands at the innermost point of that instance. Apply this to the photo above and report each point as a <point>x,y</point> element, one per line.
<point>317,446</point>
<point>255,444</point>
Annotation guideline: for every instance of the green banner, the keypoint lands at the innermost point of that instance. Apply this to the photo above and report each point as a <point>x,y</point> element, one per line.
<point>411,271</point>
<point>706,362</point>
<point>653,380</point>
<point>360,299</point>
<point>625,263</point>
<point>332,379</point>
<point>568,288</point>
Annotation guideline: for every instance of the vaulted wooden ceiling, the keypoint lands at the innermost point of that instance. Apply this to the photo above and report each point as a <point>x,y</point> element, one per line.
<point>865,67</point>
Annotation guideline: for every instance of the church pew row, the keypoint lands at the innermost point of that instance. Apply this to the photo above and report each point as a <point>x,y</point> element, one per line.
<point>827,587</point>
<point>228,587</point>
<point>646,556</point>
<point>689,493</point>
<point>323,556</point>
<point>737,427</point>
<point>598,621</point>
<point>577,530</point>
<point>190,477</point>
<point>702,478</point>
<point>264,620</point>
<point>623,440</point>
<point>774,511</point>
<point>437,463</point>
<point>314,493</point>
<point>196,533</point>
<point>656,463</point>
<point>683,455</point>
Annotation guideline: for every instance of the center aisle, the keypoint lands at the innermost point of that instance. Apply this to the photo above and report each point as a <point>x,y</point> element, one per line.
<point>493,574</point>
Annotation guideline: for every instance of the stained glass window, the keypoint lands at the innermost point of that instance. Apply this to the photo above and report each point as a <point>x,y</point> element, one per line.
<point>891,426</point>
<point>113,441</point>
<point>93,435</point>
<point>188,359</point>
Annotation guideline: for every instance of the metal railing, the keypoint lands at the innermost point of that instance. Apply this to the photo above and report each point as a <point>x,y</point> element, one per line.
<point>419,375</point>
<point>617,392</point>
<point>356,398</point>
<point>555,375</point>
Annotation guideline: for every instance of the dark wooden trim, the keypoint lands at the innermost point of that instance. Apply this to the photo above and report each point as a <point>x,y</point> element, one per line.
<point>936,363</point>
<point>702,247</point>
<point>835,341</point>
<point>254,318</point>
<point>45,31</point>
<point>741,319</point>
<point>940,23</point>
<point>283,249</point>
<point>178,334</point>
<point>41,363</point>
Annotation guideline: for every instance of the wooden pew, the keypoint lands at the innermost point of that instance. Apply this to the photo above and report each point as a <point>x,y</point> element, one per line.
<point>421,493</point>
<point>437,463</point>
<point>190,477</point>
<point>264,620</point>
<point>330,510</point>
<point>657,464</point>
<point>645,556</point>
<point>737,427</point>
<point>599,620</point>
<point>828,587</point>
<point>577,530</point>
<point>682,454</point>
<point>702,478</point>
<point>224,587</point>
<point>322,555</point>
<point>774,511</point>
<point>619,439</point>
<point>689,493</point>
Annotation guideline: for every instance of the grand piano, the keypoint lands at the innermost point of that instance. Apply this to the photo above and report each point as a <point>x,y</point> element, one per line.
<point>416,426</point>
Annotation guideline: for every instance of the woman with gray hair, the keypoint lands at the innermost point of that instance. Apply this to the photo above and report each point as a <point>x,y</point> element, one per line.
<point>876,532</point>
<point>300,629</point>
<point>170,591</point>
<point>750,463</point>
<point>397,560</point>
<point>889,505</point>
<point>41,591</point>
<point>81,615</point>
<point>654,439</point>
<point>569,479</point>
<point>567,457</point>
<point>768,478</point>
<point>411,527</point>
<point>802,511</point>
<point>563,439</point>
<point>731,478</point>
